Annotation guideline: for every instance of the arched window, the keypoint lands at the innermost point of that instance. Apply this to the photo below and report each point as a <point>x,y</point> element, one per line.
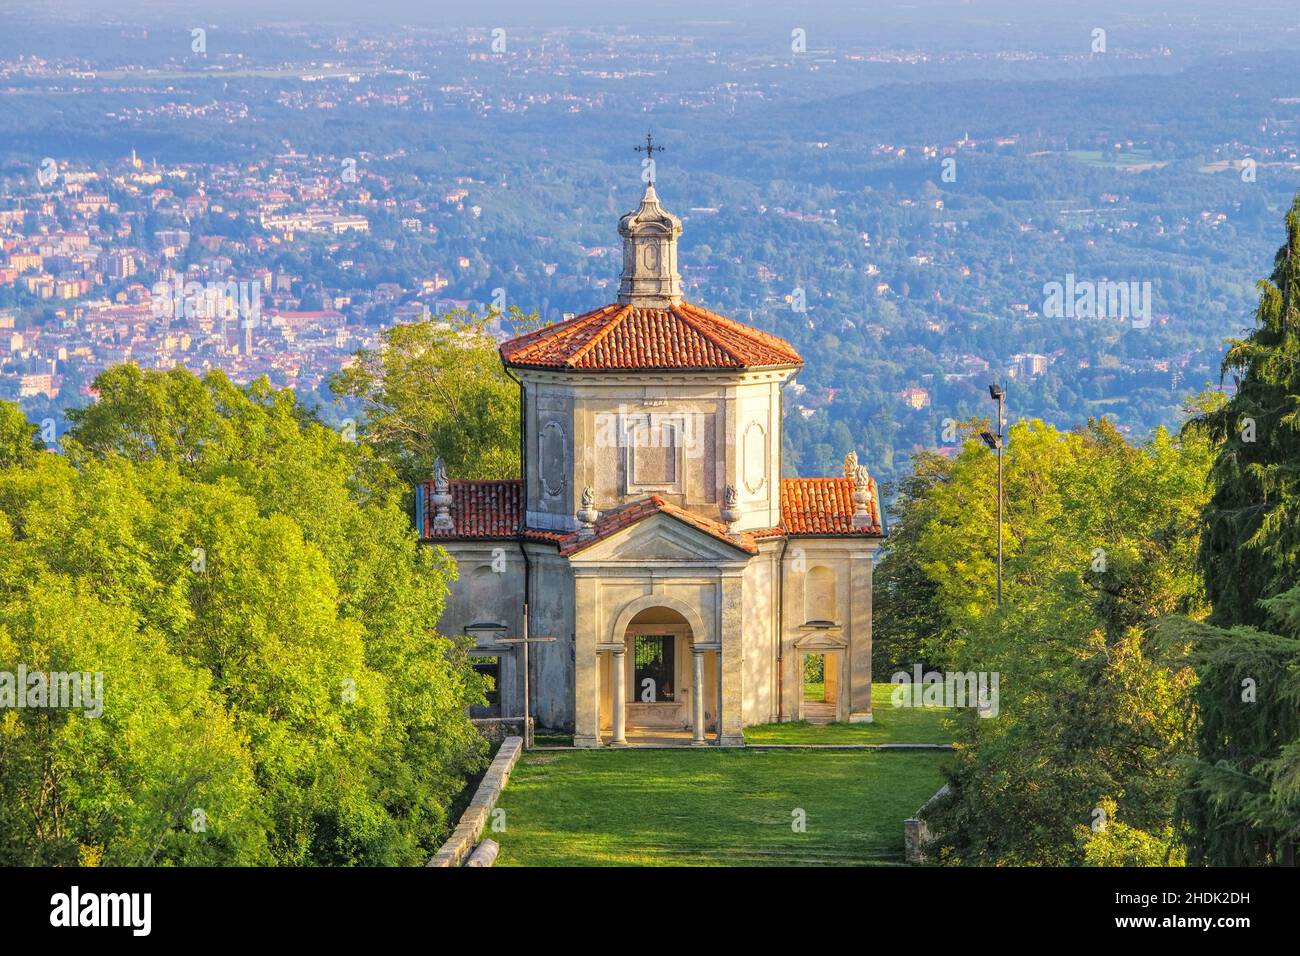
<point>820,595</point>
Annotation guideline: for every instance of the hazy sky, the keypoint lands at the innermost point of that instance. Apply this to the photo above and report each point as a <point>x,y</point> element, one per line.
<point>860,17</point>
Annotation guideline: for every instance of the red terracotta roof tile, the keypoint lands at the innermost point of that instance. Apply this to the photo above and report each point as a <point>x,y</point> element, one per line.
<point>479,509</point>
<point>624,516</point>
<point>616,337</point>
<point>824,506</point>
<point>495,510</point>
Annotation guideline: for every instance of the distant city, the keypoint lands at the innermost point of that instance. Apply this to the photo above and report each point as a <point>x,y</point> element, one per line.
<point>265,202</point>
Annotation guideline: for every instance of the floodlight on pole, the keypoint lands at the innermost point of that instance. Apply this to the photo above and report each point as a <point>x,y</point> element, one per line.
<point>995,442</point>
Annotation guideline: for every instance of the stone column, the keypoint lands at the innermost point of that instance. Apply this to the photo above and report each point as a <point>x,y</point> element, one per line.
<point>731,663</point>
<point>697,697</point>
<point>619,736</point>
<point>858,658</point>
<point>586,665</point>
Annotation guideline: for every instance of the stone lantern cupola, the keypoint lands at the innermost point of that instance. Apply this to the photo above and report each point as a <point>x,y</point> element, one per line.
<point>650,279</point>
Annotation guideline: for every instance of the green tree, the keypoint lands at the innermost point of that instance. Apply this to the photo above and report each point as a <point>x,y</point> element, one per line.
<point>1251,546</point>
<point>907,612</point>
<point>437,388</point>
<point>270,557</point>
<point>18,442</point>
<point>1242,801</point>
<point>122,788</point>
<point>1091,705</point>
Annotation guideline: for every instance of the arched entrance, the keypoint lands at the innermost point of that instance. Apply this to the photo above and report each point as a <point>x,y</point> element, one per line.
<point>658,682</point>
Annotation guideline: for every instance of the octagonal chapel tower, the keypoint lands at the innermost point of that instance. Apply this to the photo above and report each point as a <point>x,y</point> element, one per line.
<point>652,395</point>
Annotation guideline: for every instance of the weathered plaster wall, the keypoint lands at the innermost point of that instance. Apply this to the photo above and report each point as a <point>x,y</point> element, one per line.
<point>848,610</point>
<point>553,616</point>
<point>697,434</point>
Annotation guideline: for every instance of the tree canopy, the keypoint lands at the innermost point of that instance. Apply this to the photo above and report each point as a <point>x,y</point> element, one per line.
<point>437,388</point>
<point>1242,802</point>
<point>1092,709</point>
<point>249,586</point>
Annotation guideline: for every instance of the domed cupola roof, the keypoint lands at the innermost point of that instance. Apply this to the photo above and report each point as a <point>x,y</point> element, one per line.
<point>650,277</point>
<point>650,326</point>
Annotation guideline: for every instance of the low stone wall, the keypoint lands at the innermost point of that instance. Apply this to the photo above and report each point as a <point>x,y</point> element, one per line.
<point>475,817</point>
<point>915,831</point>
<point>485,854</point>
<point>497,729</point>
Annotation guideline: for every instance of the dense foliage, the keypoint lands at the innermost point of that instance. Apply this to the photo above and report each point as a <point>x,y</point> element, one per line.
<point>1092,712</point>
<point>1243,802</point>
<point>437,387</point>
<point>249,586</point>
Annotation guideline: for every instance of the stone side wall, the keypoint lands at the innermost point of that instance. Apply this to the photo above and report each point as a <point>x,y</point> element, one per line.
<point>552,663</point>
<point>849,560</point>
<point>915,831</point>
<point>499,729</point>
<point>475,817</point>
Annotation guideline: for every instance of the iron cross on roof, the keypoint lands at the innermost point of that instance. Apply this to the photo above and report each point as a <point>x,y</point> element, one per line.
<point>649,149</point>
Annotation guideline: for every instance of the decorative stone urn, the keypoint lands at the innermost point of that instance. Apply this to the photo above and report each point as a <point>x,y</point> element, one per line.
<point>861,490</point>
<point>588,514</point>
<point>730,505</point>
<point>441,497</point>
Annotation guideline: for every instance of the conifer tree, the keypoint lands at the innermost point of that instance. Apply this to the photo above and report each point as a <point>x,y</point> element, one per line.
<point>1250,549</point>
<point>1242,801</point>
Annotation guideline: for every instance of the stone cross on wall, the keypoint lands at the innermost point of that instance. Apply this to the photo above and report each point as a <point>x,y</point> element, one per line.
<point>524,642</point>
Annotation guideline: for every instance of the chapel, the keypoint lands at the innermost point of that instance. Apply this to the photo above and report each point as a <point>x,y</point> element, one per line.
<point>675,583</point>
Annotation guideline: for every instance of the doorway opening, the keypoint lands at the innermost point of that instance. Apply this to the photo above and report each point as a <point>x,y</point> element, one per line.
<point>819,701</point>
<point>814,678</point>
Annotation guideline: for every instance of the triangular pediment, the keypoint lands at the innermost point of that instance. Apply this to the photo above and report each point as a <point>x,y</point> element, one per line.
<point>822,640</point>
<point>660,538</point>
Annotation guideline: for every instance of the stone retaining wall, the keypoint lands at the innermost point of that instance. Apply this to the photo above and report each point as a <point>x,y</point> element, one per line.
<point>475,817</point>
<point>915,831</point>
<point>497,729</point>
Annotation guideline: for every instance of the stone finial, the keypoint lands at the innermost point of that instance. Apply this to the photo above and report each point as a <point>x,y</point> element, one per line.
<point>861,490</point>
<point>441,497</point>
<point>650,279</point>
<point>730,504</point>
<point>587,514</point>
<point>851,464</point>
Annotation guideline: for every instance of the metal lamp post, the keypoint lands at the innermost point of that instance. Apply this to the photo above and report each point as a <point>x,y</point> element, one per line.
<point>995,442</point>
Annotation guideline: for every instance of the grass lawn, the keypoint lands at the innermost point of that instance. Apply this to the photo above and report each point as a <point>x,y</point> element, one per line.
<point>890,725</point>
<point>708,807</point>
<point>551,738</point>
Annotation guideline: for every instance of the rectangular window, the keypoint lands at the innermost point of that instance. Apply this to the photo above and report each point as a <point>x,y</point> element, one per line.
<point>490,667</point>
<point>653,673</point>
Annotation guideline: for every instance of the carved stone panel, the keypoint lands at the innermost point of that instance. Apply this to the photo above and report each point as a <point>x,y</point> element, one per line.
<point>754,465</point>
<point>653,453</point>
<point>552,457</point>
